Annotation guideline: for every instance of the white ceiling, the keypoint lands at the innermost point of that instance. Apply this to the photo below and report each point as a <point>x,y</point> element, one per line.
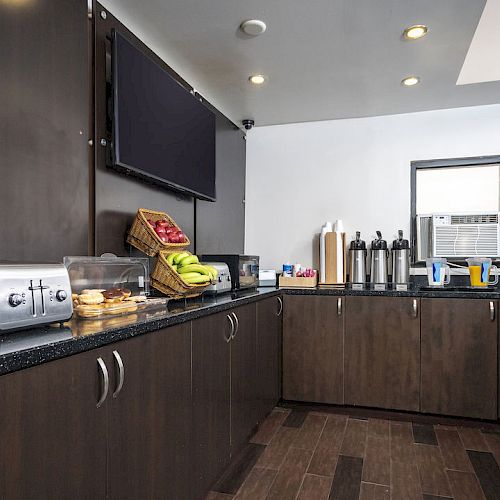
<point>325,59</point>
<point>482,63</point>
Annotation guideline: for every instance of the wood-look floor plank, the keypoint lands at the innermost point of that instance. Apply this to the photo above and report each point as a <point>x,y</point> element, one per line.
<point>315,487</point>
<point>289,478</point>
<point>215,495</point>
<point>405,482</point>
<point>310,432</point>
<point>371,491</point>
<point>269,427</point>
<point>465,486</point>
<point>328,448</point>
<point>402,443</point>
<point>435,497</point>
<point>488,473</point>
<point>275,452</point>
<point>431,468</point>
<point>239,469</point>
<point>257,484</point>
<point>377,462</point>
<point>472,439</point>
<point>453,451</point>
<point>295,418</point>
<point>424,434</point>
<point>493,442</point>
<point>347,480</point>
<point>354,442</point>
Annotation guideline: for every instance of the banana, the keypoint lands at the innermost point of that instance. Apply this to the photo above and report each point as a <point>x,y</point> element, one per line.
<point>190,259</point>
<point>212,270</point>
<point>194,268</point>
<point>178,257</point>
<point>174,267</point>
<point>187,276</point>
<point>198,279</point>
<point>170,258</point>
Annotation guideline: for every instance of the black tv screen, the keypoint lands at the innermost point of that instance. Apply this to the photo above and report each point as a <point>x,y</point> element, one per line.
<point>161,132</point>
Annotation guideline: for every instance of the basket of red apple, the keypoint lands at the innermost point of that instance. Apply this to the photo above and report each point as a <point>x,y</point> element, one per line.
<point>153,231</point>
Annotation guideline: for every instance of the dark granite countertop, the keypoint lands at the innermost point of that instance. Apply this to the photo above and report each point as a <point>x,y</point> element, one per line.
<point>25,348</point>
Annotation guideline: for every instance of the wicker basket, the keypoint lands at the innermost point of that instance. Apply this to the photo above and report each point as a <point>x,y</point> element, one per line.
<point>143,237</point>
<point>168,281</point>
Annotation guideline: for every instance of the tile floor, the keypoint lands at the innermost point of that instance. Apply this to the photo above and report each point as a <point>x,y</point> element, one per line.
<point>300,455</point>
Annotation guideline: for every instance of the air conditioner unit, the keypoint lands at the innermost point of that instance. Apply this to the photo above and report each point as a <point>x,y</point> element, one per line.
<point>458,235</point>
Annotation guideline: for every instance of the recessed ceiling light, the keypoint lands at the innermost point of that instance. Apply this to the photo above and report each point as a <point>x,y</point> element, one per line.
<point>257,79</point>
<point>409,81</point>
<point>253,27</point>
<point>415,32</point>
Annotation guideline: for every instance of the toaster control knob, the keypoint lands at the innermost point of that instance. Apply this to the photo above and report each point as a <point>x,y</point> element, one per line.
<point>61,295</point>
<point>15,299</point>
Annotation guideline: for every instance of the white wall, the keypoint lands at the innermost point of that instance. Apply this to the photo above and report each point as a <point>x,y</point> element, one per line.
<point>300,175</point>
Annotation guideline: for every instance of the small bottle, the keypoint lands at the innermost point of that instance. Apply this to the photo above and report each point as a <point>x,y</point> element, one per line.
<point>287,270</point>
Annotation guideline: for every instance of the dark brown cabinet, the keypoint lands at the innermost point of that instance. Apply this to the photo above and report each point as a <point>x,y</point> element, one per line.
<point>53,437</point>
<point>243,376</point>
<point>382,352</point>
<point>149,416</point>
<point>459,357</point>
<point>268,378</point>
<point>313,347</point>
<point>211,379</point>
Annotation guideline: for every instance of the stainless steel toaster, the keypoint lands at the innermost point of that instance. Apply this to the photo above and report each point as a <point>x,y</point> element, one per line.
<point>34,294</point>
<point>223,282</point>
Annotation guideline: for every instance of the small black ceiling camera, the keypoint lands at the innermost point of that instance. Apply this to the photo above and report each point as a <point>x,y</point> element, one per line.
<point>248,124</point>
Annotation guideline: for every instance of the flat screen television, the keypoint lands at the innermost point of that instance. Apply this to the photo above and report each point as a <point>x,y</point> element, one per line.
<point>161,132</point>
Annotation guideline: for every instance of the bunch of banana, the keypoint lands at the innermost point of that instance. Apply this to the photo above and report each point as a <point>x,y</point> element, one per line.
<point>190,270</point>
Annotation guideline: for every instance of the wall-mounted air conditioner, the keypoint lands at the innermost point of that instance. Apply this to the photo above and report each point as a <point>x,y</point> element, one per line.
<point>458,235</point>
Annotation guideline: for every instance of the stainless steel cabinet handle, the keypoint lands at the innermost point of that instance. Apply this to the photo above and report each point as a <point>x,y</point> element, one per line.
<point>105,381</point>
<point>492,311</point>
<point>121,373</point>
<point>280,301</point>
<point>415,308</point>
<point>237,325</point>
<point>232,328</point>
<point>339,306</point>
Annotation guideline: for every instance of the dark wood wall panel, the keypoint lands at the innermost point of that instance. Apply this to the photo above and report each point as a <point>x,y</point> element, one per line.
<point>44,171</point>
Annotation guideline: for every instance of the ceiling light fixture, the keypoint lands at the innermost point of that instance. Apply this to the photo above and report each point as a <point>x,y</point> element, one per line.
<point>415,32</point>
<point>253,27</point>
<point>257,79</point>
<point>410,81</point>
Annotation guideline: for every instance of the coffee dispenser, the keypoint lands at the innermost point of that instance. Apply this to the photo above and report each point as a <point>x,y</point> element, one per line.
<point>379,258</point>
<point>357,261</point>
<point>400,261</point>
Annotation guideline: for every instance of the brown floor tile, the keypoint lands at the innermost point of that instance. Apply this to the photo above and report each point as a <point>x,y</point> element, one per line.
<point>377,462</point>
<point>347,480</point>
<point>310,432</point>
<point>289,478</point>
<point>295,418</point>
<point>402,443</point>
<point>487,472</point>
<point>275,452</point>
<point>453,451</point>
<point>315,488</point>
<point>214,495</point>
<point>431,469</point>
<point>269,427</point>
<point>257,484</point>
<point>493,442</point>
<point>371,491</point>
<point>379,428</point>
<point>354,442</point>
<point>424,434</point>
<point>435,497</point>
<point>472,439</point>
<point>328,448</point>
<point>465,486</point>
<point>405,482</point>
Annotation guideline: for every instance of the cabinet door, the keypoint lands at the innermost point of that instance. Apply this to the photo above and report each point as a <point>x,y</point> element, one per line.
<point>268,381</point>
<point>52,435</point>
<point>313,344</point>
<point>243,376</point>
<point>211,400</point>
<point>150,417</point>
<point>382,352</point>
<point>459,357</point>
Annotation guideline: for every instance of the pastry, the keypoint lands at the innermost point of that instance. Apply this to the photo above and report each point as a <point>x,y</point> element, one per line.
<point>126,292</point>
<point>123,308</point>
<point>137,298</point>
<point>74,296</point>
<point>113,295</point>
<point>91,298</point>
<point>93,290</point>
<point>89,311</point>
